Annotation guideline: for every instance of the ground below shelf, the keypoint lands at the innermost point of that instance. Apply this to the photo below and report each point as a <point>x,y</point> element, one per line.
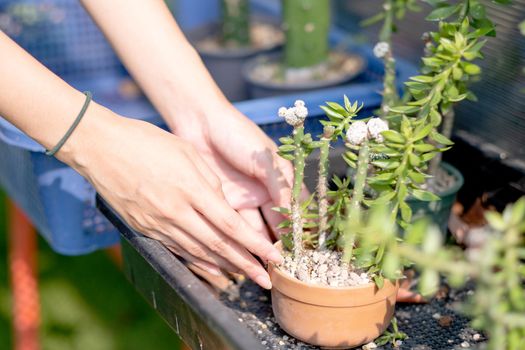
<point>432,326</point>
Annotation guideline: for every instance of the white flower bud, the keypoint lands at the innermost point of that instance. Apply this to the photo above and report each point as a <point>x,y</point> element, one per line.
<point>357,133</point>
<point>301,112</point>
<point>375,127</point>
<point>381,49</point>
<point>294,116</point>
<point>299,103</point>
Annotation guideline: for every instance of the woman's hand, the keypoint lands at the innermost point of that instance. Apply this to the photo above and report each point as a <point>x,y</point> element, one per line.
<point>243,157</point>
<point>162,187</point>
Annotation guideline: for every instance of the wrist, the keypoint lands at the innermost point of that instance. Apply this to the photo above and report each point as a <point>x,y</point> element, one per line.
<point>88,138</point>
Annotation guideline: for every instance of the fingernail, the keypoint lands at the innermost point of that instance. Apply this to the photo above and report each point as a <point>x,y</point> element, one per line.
<point>275,257</point>
<point>263,281</point>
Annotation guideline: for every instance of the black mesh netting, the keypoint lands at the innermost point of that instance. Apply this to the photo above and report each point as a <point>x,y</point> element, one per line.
<point>432,326</point>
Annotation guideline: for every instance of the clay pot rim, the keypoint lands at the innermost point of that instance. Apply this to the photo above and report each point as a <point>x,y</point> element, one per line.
<point>317,286</point>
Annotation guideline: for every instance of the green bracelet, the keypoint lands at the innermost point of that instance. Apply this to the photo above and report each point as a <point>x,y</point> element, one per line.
<point>72,127</point>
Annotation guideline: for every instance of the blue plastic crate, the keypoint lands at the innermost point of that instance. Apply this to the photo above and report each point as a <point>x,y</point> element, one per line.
<point>61,203</point>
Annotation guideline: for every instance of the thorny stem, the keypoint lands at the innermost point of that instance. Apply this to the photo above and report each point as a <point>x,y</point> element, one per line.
<point>446,130</point>
<point>322,184</point>
<point>390,95</point>
<point>354,213</point>
<point>299,162</point>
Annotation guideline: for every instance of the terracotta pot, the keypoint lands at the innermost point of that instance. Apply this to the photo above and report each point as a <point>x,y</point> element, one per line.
<point>333,317</point>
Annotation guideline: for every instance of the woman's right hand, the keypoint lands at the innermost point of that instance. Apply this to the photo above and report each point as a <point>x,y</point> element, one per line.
<point>161,186</point>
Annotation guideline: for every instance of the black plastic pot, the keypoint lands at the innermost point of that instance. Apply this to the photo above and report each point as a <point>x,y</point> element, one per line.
<point>260,89</point>
<point>226,65</point>
<point>439,211</point>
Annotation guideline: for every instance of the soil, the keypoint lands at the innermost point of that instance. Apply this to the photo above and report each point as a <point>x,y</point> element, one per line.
<point>323,268</point>
<point>263,36</point>
<point>338,65</point>
<point>431,326</point>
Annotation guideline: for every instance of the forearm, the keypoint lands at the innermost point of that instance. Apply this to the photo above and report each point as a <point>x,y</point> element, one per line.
<point>42,105</point>
<point>155,51</point>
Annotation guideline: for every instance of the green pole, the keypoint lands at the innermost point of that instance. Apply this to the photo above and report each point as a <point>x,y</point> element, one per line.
<point>306,24</point>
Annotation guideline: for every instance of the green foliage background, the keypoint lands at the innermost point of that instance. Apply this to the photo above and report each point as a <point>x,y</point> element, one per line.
<point>87,304</point>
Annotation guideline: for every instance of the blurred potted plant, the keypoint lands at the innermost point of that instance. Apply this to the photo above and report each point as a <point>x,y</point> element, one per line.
<point>225,46</point>
<point>329,291</point>
<point>495,266</point>
<point>307,62</point>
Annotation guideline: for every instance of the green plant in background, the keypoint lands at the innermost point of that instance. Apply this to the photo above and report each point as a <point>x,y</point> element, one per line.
<point>392,10</point>
<point>447,68</point>
<point>235,23</point>
<point>306,24</point>
<point>497,268</point>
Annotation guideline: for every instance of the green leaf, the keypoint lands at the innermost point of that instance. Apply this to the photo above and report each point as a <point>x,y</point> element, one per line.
<point>286,140</point>
<point>478,11</point>
<point>286,156</point>
<point>281,210</point>
<point>495,220</point>
<point>441,13</point>
<point>422,132</point>
<point>351,155</point>
<point>286,148</point>
<point>457,73</point>
<point>386,163</point>
<point>337,107</point>
<point>416,176</point>
<point>348,105</point>
<point>404,109</point>
<point>414,160</point>
<point>380,282</point>
<point>424,147</point>
<point>441,139</point>
<point>385,197</point>
<point>422,78</point>
<point>406,212</point>
<point>331,113</point>
<point>393,136</point>
<point>287,241</point>
<point>429,282</point>
<point>425,196</point>
<point>471,68</point>
<point>285,224</point>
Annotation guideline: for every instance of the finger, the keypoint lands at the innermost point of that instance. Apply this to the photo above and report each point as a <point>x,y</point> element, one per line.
<point>277,175</point>
<point>272,217</point>
<point>190,259</point>
<point>186,244</point>
<point>217,211</point>
<point>254,218</point>
<point>227,248</point>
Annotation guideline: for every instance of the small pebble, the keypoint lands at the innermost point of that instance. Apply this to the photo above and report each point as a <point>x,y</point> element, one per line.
<point>476,337</point>
<point>264,342</point>
<point>285,337</point>
<point>240,319</point>
<point>436,316</point>
<point>465,344</point>
<point>263,298</point>
<point>369,346</point>
<point>281,342</point>
<point>445,321</point>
